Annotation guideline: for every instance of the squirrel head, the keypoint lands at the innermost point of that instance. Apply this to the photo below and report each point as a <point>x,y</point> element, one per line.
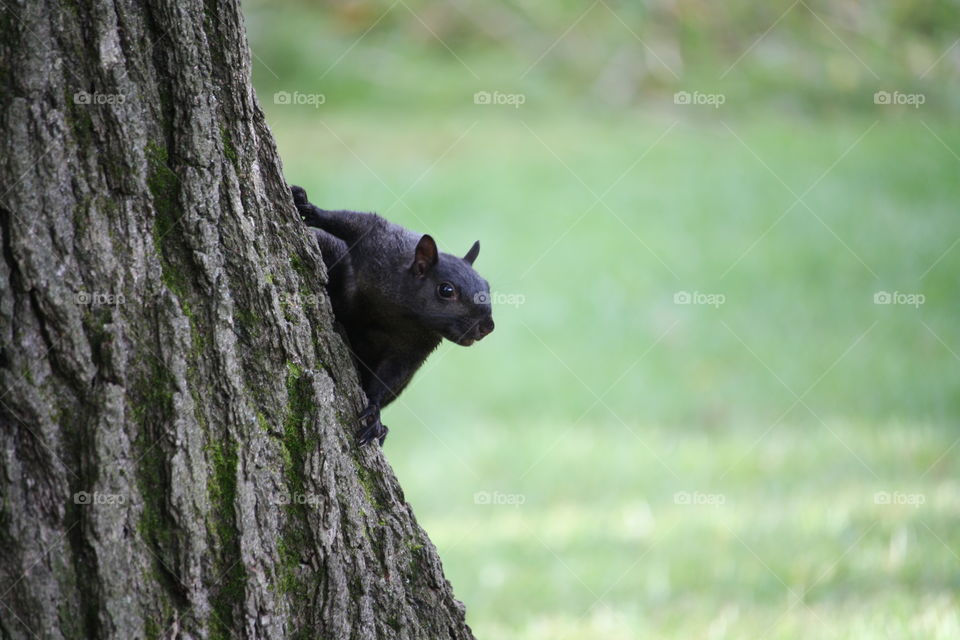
<point>449,296</point>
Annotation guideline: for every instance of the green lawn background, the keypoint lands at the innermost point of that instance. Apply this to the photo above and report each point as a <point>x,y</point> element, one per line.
<point>610,463</point>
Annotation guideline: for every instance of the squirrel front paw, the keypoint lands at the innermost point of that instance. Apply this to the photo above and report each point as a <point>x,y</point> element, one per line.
<point>299,195</point>
<point>370,426</point>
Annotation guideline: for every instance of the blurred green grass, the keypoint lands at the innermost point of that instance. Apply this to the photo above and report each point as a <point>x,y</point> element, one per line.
<point>598,399</point>
<point>699,212</point>
<point>741,471</point>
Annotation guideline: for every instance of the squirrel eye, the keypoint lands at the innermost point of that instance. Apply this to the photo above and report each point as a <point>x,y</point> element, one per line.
<point>446,290</point>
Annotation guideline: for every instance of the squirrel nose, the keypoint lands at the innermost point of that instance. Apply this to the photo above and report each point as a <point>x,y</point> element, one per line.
<point>485,327</point>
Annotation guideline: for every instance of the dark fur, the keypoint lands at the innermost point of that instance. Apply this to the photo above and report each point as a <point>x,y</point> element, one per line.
<point>384,283</point>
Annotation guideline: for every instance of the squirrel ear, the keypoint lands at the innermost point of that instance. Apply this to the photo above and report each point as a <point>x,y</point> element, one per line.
<point>425,257</point>
<point>473,253</point>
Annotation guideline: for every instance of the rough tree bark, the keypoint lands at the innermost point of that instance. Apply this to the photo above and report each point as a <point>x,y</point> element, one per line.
<point>176,414</point>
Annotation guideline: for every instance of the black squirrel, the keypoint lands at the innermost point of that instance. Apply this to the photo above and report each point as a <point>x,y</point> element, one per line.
<point>395,296</point>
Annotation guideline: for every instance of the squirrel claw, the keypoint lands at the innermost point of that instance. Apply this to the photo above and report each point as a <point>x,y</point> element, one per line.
<point>299,195</point>
<point>371,429</point>
<point>376,431</point>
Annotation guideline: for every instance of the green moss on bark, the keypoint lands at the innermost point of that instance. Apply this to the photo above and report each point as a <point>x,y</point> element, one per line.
<point>152,403</point>
<point>165,188</point>
<point>228,149</point>
<point>222,487</point>
<point>295,542</point>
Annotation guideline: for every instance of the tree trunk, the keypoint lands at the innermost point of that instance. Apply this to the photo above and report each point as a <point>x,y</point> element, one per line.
<point>177,413</point>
